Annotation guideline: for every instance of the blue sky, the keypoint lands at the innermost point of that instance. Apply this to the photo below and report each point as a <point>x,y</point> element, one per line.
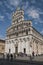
<point>33,10</point>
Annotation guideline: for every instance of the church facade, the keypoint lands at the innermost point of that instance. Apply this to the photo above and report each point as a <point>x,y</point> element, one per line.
<point>21,36</point>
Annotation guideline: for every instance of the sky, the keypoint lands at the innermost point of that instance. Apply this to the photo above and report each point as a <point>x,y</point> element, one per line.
<point>33,10</point>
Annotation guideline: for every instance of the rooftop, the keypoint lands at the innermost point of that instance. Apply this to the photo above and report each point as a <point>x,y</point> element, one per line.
<point>1,40</point>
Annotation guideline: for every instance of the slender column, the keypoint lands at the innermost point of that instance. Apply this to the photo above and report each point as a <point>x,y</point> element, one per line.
<point>28,50</point>
<point>20,45</point>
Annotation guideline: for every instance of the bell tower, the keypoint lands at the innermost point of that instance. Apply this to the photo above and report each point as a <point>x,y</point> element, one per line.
<point>18,16</point>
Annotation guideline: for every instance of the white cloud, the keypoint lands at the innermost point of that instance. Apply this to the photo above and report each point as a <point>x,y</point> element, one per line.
<point>25,5</point>
<point>33,13</point>
<point>1,18</point>
<point>38,20</point>
<point>35,22</point>
<point>8,15</point>
<point>8,5</point>
<point>33,1</point>
<point>40,12</point>
<point>42,32</point>
<point>15,2</point>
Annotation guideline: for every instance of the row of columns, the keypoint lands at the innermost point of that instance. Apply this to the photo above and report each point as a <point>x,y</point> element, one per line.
<point>30,45</point>
<point>37,47</point>
<point>21,43</point>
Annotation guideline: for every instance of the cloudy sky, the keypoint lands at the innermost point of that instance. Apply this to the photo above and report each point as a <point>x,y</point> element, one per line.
<point>33,10</point>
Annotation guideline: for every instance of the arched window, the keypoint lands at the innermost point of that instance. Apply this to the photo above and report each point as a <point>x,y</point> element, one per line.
<point>16,34</point>
<point>12,41</point>
<point>20,39</point>
<point>29,29</point>
<point>16,50</point>
<point>27,38</point>
<point>29,23</point>
<point>24,39</point>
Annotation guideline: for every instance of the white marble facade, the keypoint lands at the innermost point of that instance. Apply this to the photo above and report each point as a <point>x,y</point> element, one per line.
<point>21,43</point>
<point>22,35</point>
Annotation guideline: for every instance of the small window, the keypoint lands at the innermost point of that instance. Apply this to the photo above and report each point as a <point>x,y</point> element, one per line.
<point>24,39</point>
<point>21,40</point>
<point>12,41</point>
<point>26,32</point>
<point>17,27</point>
<point>26,24</point>
<point>29,29</point>
<point>27,38</point>
<point>16,34</point>
<point>29,23</point>
<point>17,21</point>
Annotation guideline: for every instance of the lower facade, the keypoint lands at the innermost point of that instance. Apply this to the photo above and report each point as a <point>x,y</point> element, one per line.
<point>26,45</point>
